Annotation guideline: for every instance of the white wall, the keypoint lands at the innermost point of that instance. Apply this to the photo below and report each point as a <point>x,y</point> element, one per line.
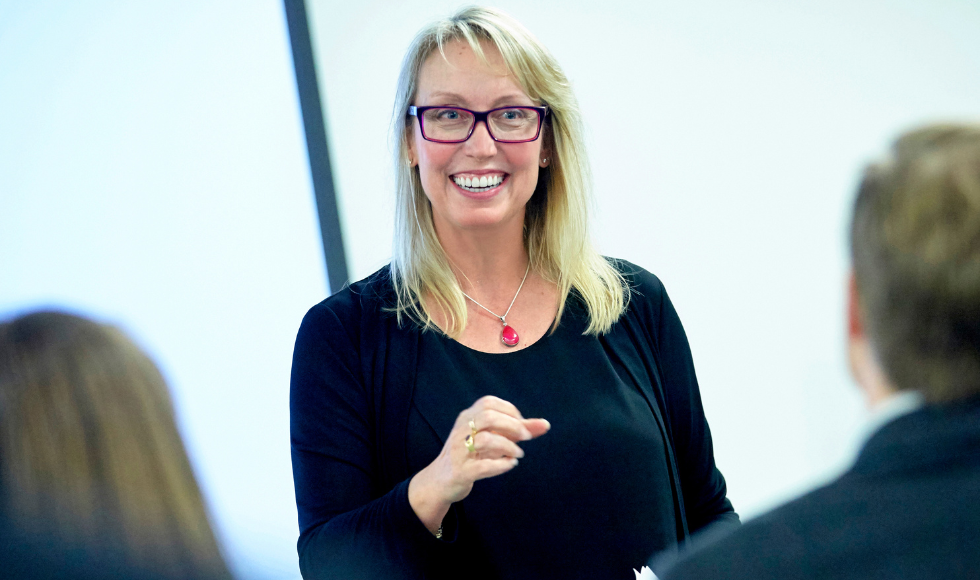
<point>726,140</point>
<point>153,173</point>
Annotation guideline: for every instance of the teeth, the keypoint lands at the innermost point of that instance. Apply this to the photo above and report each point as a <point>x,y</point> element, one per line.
<point>481,182</point>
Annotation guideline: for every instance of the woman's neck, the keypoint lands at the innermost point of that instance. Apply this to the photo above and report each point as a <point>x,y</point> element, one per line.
<point>486,261</point>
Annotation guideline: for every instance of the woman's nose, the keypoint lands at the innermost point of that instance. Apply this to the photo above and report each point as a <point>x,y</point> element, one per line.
<point>480,143</point>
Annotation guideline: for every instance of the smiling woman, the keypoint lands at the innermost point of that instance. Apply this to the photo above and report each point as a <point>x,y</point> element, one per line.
<point>452,145</point>
<point>495,295</point>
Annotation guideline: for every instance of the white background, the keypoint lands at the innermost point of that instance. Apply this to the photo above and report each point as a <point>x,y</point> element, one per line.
<point>726,140</point>
<point>153,173</point>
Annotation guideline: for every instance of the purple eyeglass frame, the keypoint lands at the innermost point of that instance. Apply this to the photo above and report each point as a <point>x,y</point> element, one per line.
<point>477,117</point>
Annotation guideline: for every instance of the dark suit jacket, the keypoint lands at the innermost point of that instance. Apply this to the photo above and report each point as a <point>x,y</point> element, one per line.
<point>909,508</point>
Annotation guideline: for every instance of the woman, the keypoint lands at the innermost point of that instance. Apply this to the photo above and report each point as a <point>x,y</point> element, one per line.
<point>93,474</point>
<point>495,295</point>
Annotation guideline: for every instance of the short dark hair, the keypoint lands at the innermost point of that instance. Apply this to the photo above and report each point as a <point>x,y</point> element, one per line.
<point>915,245</point>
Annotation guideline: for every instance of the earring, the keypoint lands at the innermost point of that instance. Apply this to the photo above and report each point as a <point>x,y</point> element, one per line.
<point>544,161</point>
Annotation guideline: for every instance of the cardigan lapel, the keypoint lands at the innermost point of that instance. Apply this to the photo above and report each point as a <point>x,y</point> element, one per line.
<point>624,345</point>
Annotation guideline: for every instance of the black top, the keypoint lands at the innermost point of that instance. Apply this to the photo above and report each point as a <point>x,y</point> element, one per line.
<point>909,509</point>
<point>599,478</point>
<point>627,468</point>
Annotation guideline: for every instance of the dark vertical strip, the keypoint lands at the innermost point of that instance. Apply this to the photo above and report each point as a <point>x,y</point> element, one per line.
<point>316,143</point>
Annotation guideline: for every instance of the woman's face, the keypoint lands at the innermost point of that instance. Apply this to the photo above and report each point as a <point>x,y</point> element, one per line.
<point>465,81</point>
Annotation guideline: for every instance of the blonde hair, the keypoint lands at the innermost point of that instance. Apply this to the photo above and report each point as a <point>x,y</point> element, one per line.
<point>556,219</point>
<point>90,449</point>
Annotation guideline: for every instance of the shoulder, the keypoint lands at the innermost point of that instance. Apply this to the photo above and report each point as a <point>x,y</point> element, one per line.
<point>646,291</point>
<point>633,274</point>
<point>365,301</point>
<point>782,543</point>
<point>372,294</point>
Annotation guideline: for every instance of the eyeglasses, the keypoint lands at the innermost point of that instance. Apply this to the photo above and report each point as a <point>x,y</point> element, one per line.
<point>455,124</point>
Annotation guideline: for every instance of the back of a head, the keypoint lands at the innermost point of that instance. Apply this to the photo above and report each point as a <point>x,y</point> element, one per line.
<point>91,456</point>
<point>915,243</point>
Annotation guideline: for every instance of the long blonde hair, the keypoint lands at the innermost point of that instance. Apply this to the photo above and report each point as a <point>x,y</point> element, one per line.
<point>90,449</point>
<point>556,219</point>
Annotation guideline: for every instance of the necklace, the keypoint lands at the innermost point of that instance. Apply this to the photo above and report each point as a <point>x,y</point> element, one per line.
<point>508,335</point>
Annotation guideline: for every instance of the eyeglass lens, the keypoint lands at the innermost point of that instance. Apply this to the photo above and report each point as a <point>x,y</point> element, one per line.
<point>450,124</point>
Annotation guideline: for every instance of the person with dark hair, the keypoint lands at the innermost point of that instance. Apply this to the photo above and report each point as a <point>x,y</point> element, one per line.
<point>909,508</point>
<point>94,478</point>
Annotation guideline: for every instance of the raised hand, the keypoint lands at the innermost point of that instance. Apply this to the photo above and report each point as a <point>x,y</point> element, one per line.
<point>482,444</point>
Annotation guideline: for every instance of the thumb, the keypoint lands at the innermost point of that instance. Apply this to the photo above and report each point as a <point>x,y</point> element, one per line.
<point>537,427</point>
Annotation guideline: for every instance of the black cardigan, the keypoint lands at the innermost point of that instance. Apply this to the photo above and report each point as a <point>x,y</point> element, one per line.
<point>351,391</point>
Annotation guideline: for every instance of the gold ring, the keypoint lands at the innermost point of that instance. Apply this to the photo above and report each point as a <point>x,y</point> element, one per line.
<point>470,444</point>
<point>473,427</point>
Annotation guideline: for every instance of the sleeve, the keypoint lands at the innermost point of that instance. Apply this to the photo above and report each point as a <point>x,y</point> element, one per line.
<point>349,528</point>
<point>702,484</point>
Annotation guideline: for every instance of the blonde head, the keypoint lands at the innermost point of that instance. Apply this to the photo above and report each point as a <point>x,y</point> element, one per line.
<point>556,232</point>
<point>91,451</point>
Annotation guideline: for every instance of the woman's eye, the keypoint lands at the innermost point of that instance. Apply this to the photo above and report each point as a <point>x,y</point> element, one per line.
<point>448,115</point>
<point>514,115</point>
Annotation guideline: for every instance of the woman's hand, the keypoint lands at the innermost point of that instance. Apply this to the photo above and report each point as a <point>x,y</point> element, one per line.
<point>448,479</point>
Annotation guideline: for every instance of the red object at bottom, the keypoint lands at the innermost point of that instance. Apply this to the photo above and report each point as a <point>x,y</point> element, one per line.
<point>509,336</point>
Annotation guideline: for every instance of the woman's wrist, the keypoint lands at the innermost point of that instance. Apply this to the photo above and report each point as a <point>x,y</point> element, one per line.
<point>426,503</point>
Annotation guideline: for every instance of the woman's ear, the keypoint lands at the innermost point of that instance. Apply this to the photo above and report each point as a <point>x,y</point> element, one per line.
<point>545,157</point>
<point>412,160</point>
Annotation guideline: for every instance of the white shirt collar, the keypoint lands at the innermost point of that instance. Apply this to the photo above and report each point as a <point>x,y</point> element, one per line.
<point>891,408</point>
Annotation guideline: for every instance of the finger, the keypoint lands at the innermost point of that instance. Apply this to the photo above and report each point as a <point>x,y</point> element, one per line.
<point>485,468</point>
<point>496,404</point>
<point>502,424</point>
<point>537,427</point>
<point>489,445</point>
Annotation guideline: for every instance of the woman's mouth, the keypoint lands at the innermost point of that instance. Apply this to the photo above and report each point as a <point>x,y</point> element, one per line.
<point>478,183</point>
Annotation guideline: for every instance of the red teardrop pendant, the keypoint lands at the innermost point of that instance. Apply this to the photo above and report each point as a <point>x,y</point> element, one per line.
<point>509,336</point>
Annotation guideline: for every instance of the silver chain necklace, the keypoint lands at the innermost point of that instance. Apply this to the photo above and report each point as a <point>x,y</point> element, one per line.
<point>508,335</point>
